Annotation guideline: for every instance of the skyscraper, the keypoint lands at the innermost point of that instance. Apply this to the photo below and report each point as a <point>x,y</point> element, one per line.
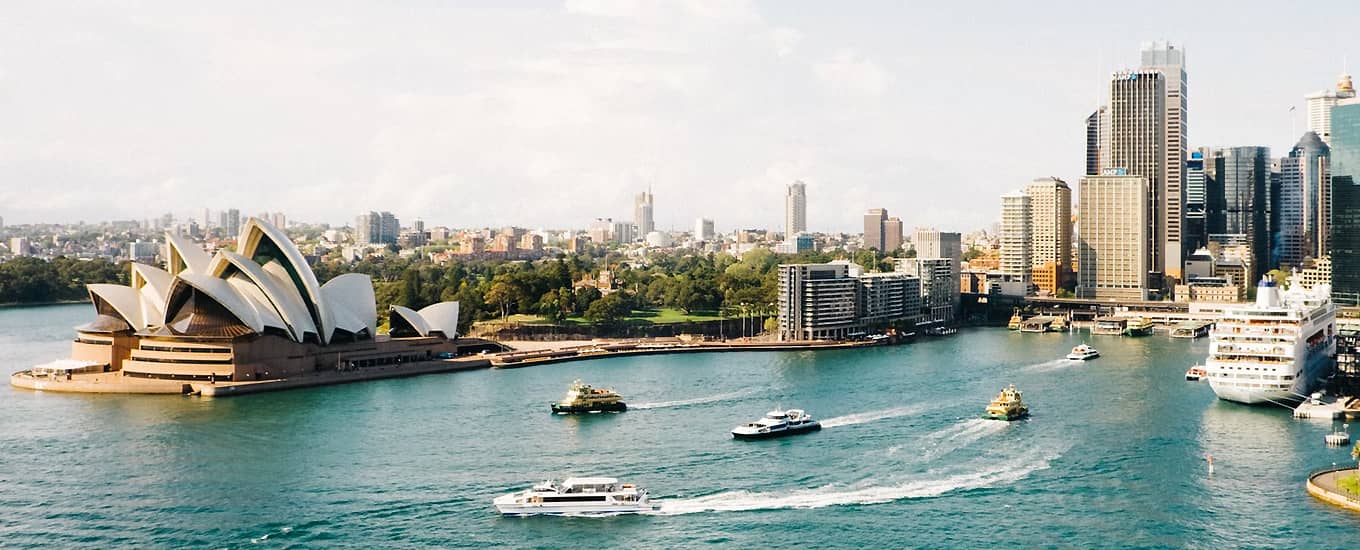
<point>1112,222</point>
<point>1015,237</point>
<point>874,221</point>
<point>795,209</point>
<point>1097,138</point>
<point>1195,229</point>
<point>703,229</point>
<point>1320,104</point>
<point>892,234</point>
<point>1138,147</point>
<point>642,213</point>
<point>1169,59</point>
<point>1345,229</point>
<point>1050,242</point>
<point>1303,207</point>
<point>1244,173</point>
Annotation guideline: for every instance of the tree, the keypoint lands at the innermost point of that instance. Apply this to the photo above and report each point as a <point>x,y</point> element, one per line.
<point>410,289</point>
<point>608,310</point>
<point>502,295</point>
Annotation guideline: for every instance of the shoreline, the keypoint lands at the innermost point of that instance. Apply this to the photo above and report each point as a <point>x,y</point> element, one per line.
<point>117,383</point>
<point>1322,484</point>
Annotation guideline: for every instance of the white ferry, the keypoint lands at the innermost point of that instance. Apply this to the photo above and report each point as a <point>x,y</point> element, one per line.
<point>1082,353</point>
<point>777,423</point>
<point>576,496</point>
<point>1276,350</point>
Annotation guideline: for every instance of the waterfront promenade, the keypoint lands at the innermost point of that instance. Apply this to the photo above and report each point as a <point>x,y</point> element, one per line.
<point>1325,486</point>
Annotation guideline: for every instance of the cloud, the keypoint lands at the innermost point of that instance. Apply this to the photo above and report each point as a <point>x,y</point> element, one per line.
<point>730,11</point>
<point>851,72</point>
<point>785,40</point>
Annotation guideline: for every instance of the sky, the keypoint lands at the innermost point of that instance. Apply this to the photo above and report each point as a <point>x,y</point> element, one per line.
<point>552,114</point>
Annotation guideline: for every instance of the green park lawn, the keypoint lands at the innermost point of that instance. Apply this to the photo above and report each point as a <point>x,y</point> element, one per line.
<point>1350,484</point>
<point>659,316</point>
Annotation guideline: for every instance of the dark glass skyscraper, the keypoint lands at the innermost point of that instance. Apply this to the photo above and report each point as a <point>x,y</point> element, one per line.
<point>1244,173</point>
<point>1303,206</point>
<point>1345,170</point>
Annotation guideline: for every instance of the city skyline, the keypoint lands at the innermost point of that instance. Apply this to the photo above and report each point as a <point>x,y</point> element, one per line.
<point>613,100</point>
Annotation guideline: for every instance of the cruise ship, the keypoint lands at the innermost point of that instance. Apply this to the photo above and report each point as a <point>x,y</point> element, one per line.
<point>1276,350</point>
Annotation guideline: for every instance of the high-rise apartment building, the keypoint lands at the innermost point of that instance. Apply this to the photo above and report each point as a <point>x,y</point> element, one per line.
<point>1015,237</point>
<point>1138,147</point>
<point>874,220</point>
<point>816,301</point>
<point>1320,104</point>
<point>1302,209</point>
<point>376,228</point>
<point>795,209</point>
<point>933,243</point>
<point>1169,59</point>
<point>1112,228</point>
<point>940,287</point>
<point>642,213</point>
<point>230,222</point>
<point>892,234</point>
<point>703,229</point>
<point>1050,227</point>
<point>1345,176</point>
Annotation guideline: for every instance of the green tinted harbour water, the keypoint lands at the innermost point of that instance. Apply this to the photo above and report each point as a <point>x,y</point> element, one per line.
<point>1113,455</point>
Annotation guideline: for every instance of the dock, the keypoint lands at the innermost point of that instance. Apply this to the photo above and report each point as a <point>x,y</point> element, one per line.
<point>1038,323</point>
<point>1191,329</point>
<point>1328,408</point>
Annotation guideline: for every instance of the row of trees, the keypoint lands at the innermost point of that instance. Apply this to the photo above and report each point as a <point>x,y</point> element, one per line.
<point>497,289</point>
<point>36,281</point>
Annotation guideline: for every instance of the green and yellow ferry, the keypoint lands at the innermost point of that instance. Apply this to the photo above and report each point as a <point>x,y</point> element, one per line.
<point>582,398</point>
<point>1008,405</point>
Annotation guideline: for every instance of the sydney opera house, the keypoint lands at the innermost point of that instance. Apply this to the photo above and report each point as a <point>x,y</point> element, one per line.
<point>255,314</point>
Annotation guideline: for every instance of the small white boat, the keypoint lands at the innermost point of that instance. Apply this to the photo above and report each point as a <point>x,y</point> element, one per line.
<point>1196,373</point>
<point>1083,352</point>
<point>576,496</point>
<point>777,423</point>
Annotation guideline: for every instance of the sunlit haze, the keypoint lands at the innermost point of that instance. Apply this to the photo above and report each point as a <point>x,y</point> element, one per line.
<point>552,114</point>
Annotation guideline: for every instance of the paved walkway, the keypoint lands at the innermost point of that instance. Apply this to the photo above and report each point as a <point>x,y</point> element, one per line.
<point>1324,486</point>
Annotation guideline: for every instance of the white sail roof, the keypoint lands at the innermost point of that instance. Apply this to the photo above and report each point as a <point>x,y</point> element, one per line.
<point>412,317</point>
<point>281,295</point>
<point>123,299</point>
<point>442,317</point>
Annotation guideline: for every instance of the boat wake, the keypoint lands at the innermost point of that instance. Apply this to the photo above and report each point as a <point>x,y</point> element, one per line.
<point>860,418</point>
<point>958,436</point>
<point>1048,366</point>
<point>695,401</point>
<point>833,495</point>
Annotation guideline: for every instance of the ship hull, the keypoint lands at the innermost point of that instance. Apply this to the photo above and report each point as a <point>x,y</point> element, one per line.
<point>780,433</point>
<point>580,409</point>
<point>1315,368</point>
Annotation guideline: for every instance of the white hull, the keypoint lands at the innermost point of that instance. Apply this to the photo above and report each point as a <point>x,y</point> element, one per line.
<point>513,509</point>
<point>1275,351</point>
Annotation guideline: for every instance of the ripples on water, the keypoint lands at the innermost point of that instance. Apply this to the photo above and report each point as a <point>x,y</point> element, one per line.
<point>1112,455</point>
